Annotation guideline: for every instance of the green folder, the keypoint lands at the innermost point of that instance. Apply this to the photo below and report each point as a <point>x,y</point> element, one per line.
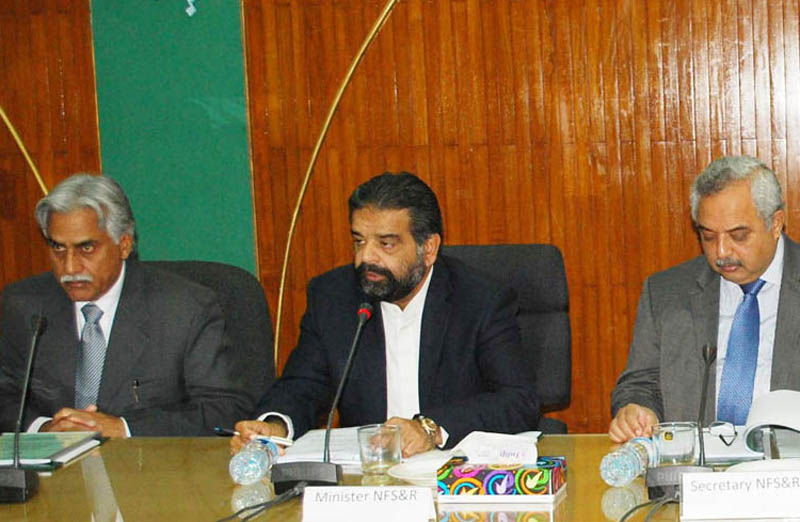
<point>47,450</point>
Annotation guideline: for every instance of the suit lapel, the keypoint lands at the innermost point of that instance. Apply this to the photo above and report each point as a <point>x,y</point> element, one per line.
<point>62,342</point>
<point>785,354</point>
<point>705,321</point>
<point>128,339</point>
<point>371,357</point>
<point>435,317</point>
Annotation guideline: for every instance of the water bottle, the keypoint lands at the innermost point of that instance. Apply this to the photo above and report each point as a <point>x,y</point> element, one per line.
<point>253,462</point>
<point>620,467</point>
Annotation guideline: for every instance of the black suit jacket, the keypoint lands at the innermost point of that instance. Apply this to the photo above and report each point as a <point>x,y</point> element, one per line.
<point>472,375</point>
<point>167,337</point>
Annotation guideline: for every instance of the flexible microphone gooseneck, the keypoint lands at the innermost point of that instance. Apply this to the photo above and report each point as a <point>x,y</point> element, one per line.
<point>709,356</point>
<point>17,484</point>
<point>664,483</point>
<point>285,476</point>
<point>364,315</point>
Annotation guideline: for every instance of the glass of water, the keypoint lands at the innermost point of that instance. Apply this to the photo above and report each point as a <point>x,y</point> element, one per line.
<point>675,442</point>
<point>380,446</point>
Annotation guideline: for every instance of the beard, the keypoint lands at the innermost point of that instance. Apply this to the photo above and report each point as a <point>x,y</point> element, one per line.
<point>391,288</point>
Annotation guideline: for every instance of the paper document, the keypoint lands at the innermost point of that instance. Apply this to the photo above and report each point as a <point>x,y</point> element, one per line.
<point>344,448</point>
<point>777,408</point>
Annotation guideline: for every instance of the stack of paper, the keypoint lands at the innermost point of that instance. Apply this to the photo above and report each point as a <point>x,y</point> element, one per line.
<point>344,449</point>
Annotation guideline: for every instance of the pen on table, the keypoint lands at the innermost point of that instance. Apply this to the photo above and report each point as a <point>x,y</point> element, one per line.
<point>277,440</point>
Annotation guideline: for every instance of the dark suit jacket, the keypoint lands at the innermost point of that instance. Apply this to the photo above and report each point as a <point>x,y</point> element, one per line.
<point>167,336</point>
<point>679,313</point>
<point>471,373</point>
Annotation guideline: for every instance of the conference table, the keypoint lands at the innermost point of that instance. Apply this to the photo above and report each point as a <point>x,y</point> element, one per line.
<point>186,479</point>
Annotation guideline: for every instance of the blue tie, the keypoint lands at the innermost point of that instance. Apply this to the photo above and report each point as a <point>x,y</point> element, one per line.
<point>739,371</point>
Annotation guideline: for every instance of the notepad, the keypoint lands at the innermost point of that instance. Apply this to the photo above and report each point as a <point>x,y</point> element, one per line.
<point>47,450</point>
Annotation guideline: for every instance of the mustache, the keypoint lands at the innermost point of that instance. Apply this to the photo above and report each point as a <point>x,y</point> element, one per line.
<point>76,278</point>
<point>363,268</point>
<point>726,262</point>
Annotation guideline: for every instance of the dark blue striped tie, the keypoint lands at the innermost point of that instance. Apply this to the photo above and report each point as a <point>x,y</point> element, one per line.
<point>739,371</point>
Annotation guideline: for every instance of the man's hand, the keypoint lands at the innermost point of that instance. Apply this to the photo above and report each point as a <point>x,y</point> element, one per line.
<point>632,420</point>
<point>249,429</point>
<point>414,438</point>
<point>89,419</point>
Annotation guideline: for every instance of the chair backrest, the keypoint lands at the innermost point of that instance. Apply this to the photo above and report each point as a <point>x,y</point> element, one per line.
<point>536,272</point>
<point>248,328</point>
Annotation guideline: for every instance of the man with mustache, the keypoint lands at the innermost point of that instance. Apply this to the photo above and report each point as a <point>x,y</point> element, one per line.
<point>128,349</point>
<point>742,296</point>
<point>441,356</point>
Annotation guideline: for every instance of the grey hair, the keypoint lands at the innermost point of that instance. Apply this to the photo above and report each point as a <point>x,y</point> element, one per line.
<point>764,187</point>
<point>99,193</point>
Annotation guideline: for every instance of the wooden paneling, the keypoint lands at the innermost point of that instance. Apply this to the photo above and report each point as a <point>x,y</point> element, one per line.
<point>48,93</point>
<point>578,123</point>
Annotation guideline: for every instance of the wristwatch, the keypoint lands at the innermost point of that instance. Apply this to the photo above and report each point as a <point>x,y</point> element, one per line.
<point>429,426</point>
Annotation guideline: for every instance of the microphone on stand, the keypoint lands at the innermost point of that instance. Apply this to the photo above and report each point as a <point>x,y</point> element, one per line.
<point>286,475</point>
<point>709,356</point>
<point>665,482</point>
<point>17,484</point>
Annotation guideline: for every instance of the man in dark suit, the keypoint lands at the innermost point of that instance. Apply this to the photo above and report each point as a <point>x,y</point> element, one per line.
<point>128,349</point>
<point>441,356</point>
<point>737,208</point>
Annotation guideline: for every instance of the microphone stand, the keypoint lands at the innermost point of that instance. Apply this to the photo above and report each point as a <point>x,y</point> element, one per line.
<point>664,482</point>
<point>709,356</point>
<point>287,475</point>
<point>17,484</point>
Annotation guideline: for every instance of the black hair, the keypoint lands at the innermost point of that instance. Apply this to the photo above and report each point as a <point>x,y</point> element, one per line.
<point>402,190</point>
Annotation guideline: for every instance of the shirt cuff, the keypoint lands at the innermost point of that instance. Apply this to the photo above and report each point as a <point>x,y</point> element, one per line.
<point>37,424</point>
<point>127,428</point>
<point>286,420</point>
<point>445,436</point>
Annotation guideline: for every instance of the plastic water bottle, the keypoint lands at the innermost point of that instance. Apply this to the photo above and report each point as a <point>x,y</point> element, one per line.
<point>253,462</point>
<point>621,467</point>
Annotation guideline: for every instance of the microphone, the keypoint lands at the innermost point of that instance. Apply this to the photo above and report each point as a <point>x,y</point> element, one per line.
<point>17,484</point>
<point>285,476</point>
<point>709,356</point>
<point>665,482</point>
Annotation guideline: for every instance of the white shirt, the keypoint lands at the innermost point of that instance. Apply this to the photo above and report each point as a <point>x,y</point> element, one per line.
<point>108,303</point>
<point>402,328</point>
<point>730,296</point>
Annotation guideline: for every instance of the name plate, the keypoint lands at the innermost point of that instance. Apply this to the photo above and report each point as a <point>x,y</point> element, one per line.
<point>752,494</point>
<point>389,503</point>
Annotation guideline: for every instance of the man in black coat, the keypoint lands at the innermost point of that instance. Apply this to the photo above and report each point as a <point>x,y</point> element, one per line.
<point>441,356</point>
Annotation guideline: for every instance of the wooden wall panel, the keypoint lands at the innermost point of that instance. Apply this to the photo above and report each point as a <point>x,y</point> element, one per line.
<point>575,122</point>
<point>48,94</point>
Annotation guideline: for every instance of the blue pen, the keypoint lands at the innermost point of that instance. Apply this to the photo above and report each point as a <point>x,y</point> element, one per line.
<point>277,440</point>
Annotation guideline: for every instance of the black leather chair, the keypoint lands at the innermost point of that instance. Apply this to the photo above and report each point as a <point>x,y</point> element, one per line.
<point>248,328</point>
<point>537,274</point>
